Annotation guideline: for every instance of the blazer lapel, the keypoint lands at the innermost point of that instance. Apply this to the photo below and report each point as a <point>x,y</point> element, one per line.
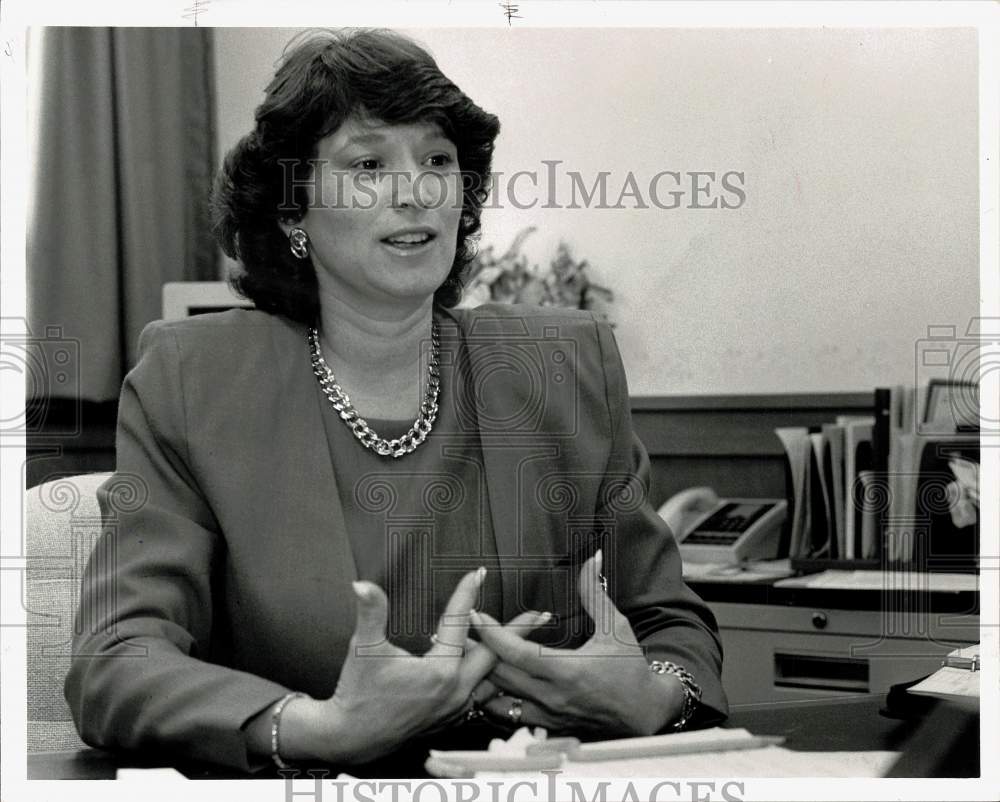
<point>301,548</point>
<point>501,381</point>
<point>302,463</point>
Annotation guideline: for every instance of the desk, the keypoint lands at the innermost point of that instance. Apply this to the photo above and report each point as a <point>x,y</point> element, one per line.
<point>847,724</point>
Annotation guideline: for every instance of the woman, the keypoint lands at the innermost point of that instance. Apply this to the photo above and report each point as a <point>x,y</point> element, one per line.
<point>341,494</point>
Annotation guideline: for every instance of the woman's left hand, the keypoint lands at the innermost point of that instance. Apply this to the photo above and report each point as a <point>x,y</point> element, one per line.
<point>604,687</point>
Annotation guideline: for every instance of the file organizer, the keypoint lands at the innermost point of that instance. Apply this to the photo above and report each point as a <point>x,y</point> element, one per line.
<point>890,489</point>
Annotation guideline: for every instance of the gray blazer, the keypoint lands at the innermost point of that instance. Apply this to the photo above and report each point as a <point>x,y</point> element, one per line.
<point>222,578</point>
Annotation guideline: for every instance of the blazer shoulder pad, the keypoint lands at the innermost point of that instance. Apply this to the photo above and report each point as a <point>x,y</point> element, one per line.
<point>227,325</point>
<point>524,320</point>
<point>224,334</point>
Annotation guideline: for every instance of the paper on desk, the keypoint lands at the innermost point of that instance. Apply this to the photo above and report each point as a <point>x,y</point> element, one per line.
<point>713,739</point>
<point>771,761</point>
<point>949,681</point>
<point>700,570</point>
<point>879,580</point>
<point>150,775</point>
<point>738,572</point>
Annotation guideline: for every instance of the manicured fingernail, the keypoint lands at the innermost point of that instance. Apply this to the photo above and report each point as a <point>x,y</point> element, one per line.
<point>475,618</point>
<point>480,574</point>
<point>599,558</point>
<point>543,617</point>
<point>361,590</point>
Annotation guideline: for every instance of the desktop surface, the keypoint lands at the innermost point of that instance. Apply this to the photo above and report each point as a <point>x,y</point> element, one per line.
<point>851,723</point>
<point>764,591</point>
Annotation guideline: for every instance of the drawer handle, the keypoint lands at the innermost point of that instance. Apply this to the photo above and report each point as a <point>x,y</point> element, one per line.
<point>821,672</point>
<point>820,620</point>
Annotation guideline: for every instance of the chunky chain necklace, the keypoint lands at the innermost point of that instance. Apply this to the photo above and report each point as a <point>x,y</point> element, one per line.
<point>367,436</point>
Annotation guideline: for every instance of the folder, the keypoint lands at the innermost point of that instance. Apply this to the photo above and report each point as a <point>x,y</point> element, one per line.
<point>795,440</point>
<point>833,439</point>
<point>857,458</point>
<point>821,528</point>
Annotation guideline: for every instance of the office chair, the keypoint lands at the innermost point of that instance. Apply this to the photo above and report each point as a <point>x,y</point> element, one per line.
<point>61,524</point>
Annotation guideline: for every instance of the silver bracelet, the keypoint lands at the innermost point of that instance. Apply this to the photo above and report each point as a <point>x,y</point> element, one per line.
<point>275,724</point>
<point>692,691</point>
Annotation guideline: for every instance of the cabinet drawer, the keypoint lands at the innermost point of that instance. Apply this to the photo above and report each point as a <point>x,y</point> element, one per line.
<point>942,628</point>
<point>760,666</point>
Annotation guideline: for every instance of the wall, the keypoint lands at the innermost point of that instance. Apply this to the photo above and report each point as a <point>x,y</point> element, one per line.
<point>859,151</point>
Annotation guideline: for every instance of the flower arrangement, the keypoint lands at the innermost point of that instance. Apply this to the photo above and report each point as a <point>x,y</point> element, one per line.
<point>509,279</point>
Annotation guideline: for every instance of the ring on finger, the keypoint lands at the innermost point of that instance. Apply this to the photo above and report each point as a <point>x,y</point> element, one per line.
<point>473,712</point>
<point>515,711</point>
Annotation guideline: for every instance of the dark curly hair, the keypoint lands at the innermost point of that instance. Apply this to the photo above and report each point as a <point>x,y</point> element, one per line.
<point>325,77</point>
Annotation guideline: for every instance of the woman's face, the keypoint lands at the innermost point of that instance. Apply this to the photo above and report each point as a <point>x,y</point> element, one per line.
<point>384,213</point>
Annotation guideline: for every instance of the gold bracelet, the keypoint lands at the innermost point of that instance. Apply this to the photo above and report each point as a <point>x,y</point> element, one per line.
<point>275,723</point>
<point>692,691</point>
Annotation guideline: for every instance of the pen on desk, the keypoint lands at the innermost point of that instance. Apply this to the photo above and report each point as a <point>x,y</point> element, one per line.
<point>667,749</point>
<point>955,661</point>
<point>455,760</point>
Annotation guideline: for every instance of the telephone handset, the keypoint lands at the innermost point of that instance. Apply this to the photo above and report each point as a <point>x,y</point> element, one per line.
<point>710,529</point>
<point>683,510</point>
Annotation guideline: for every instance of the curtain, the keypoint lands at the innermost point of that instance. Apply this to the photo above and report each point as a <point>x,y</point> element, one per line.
<point>122,141</point>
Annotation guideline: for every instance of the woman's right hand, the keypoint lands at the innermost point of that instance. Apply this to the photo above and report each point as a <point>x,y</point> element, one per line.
<point>386,695</point>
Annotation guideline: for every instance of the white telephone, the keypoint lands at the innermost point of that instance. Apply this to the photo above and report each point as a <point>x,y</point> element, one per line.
<point>729,530</point>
